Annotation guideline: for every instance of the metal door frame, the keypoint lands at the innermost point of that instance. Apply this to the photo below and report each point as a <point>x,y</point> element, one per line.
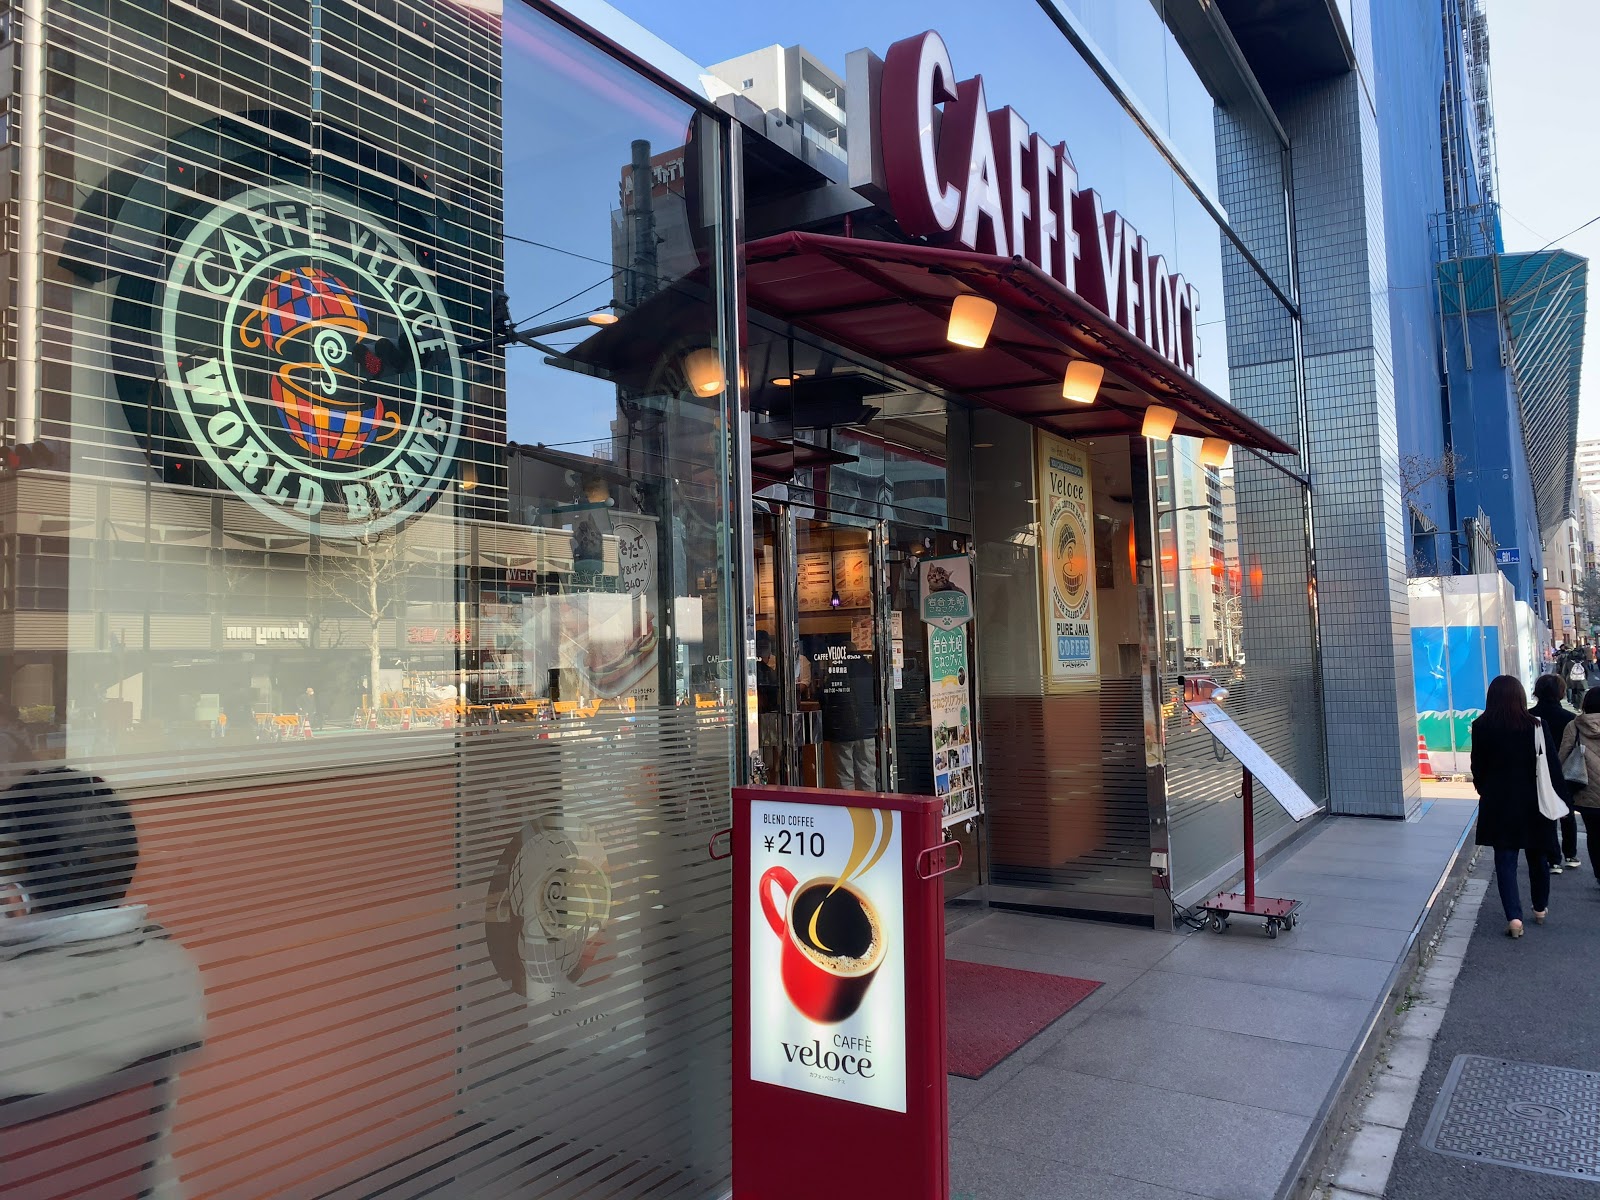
<point>786,612</point>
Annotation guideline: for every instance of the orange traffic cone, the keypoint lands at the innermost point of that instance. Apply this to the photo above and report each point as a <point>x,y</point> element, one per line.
<point>1424,763</point>
<point>372,718</point>
<point>305,727</point>
<point>405,718</point>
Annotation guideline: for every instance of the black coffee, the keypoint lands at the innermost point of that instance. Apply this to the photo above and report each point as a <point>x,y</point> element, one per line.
<point>843,929</point>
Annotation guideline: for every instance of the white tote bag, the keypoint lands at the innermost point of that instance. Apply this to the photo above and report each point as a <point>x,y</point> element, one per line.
<point>1550,804</point>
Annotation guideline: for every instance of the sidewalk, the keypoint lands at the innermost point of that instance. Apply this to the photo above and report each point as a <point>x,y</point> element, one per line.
<point>1525,1011</point>
<point>1205,1064</point>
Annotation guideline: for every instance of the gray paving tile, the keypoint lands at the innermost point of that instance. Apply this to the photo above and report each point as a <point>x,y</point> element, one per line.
<point>1298,883</point>
<point>1255,959</point>
<point>1273,1012</point>
<point>1094,941</point>
<point>1289,1077</point>
<point>1356,941</point>
<point>1154,1135</point>
<point>1362,868</point>
<point>980,1171</point>
<point>1377,913</point>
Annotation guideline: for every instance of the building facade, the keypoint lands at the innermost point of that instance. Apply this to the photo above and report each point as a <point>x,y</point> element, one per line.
<point>452,444</point>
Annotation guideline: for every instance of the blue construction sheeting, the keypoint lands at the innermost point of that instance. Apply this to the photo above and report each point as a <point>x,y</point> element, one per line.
<point>1535,306</point>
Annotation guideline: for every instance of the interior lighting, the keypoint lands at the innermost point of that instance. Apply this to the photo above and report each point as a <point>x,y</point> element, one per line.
<point>1081,384</point>
<point>835,600</point>
<point>469,476</point>
<point>971,319</point>
<point>1213,452</point>
<point>781,381</point>
<point>704,370</point>
<point>603,317</point>
<point>1159,423</point>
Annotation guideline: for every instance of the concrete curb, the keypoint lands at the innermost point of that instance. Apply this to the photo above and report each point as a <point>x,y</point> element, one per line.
<point>1359,1165</point>
<point>1333,1119</point>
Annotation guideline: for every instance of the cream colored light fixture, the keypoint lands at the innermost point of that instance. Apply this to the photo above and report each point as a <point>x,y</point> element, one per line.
<point>1081,384</point>
<point>704,370</point>
<point>781,381</point>
<point>1159,423</point>
<point>1213,452</point>
<point>971,319</point>
<point>603,317</point>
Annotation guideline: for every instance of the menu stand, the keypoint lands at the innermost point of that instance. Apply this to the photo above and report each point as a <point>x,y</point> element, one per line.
<point>1279,913</point>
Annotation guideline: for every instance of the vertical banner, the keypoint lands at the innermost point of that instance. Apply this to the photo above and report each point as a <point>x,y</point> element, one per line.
<point>955,778</point>
<point>1066,562</point>
<point>946,609</point>
<point>827,952</point>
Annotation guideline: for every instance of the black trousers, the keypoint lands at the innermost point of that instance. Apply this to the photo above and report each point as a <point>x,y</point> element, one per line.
<point>1564,841</point>
<point>1591,829</point>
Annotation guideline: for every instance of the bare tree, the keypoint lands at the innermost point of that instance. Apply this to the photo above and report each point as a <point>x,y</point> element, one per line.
<point>1419,470</point>
<point>367,576</point>
<point>1589,595</point>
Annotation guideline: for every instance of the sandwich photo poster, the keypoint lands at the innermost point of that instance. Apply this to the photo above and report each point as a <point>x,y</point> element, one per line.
<point>609,640</point>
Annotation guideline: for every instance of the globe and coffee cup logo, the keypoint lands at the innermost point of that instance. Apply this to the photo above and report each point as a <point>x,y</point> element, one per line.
<point>311,362</point>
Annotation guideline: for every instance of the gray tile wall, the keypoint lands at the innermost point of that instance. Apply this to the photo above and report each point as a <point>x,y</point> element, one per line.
<point>1353,451</point>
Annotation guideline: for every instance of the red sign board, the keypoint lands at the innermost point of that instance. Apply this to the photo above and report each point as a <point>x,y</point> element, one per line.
<point>954,171</point>
<point>839,1083</point>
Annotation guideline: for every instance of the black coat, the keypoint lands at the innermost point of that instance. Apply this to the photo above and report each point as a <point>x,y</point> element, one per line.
<point>1556,718</point>
<point>1508,805</point>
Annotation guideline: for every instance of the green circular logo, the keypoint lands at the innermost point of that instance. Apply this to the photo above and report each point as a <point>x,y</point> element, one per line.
<point>311,362</point>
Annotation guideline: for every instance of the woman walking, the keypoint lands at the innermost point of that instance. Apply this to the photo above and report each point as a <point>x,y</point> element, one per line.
<point>1555,716</point>
<point>1506,741</point>
<point>1586,801</point>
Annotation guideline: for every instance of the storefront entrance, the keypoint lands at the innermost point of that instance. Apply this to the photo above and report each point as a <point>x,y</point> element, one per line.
<point>843,680</point>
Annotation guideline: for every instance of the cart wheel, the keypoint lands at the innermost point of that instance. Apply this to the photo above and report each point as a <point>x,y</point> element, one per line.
<point>1290,922</point>
<point>1272,927</point>
<point>1218,922</point>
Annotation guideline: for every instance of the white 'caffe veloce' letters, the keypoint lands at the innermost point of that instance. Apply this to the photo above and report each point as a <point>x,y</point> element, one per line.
<point>958,174</point>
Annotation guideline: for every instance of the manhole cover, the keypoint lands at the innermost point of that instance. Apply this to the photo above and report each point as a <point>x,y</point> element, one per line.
<point>1518,1114</point>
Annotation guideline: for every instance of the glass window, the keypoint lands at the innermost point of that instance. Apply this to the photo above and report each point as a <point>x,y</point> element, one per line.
<point>1237,620</point>
<point>366,602</point>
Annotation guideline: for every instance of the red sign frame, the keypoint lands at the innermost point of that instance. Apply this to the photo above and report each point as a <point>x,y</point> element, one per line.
<point>776,1129</point>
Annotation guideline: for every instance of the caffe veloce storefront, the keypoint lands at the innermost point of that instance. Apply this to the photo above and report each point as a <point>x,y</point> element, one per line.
<point>459,442</point>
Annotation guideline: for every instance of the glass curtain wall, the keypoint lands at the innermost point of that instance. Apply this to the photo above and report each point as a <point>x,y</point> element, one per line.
<point>1227,229</point>
<point>366,615</point>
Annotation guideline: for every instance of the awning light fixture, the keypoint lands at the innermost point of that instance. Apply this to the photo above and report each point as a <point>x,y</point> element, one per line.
<point>781,381</point>
<point>1159,423</point>
<point>971,319</point>
<point>603,316</point>
<point>1214,452</point>
<point>704,370</point>
<point>1081,384</point>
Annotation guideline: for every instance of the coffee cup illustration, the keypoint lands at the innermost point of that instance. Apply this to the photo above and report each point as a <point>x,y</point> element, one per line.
<point>833,942</point>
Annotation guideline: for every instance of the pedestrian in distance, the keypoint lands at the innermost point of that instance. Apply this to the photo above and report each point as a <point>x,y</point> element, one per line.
<point>1555,717</point>
<point>1577,677</point>
<point>1506,744</point>
<point>1586,799</point>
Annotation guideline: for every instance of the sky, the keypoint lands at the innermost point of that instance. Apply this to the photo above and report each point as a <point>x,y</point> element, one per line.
<point>1546,109</point>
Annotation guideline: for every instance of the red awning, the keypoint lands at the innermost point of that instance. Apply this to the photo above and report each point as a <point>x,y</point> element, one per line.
<point>891,302</point>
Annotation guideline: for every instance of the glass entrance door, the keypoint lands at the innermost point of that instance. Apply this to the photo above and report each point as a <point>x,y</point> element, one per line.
<point>822,651</point>
<point>840,665</point>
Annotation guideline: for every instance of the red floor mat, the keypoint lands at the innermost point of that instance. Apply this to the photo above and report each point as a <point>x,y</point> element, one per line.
<point>994,1010</point>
